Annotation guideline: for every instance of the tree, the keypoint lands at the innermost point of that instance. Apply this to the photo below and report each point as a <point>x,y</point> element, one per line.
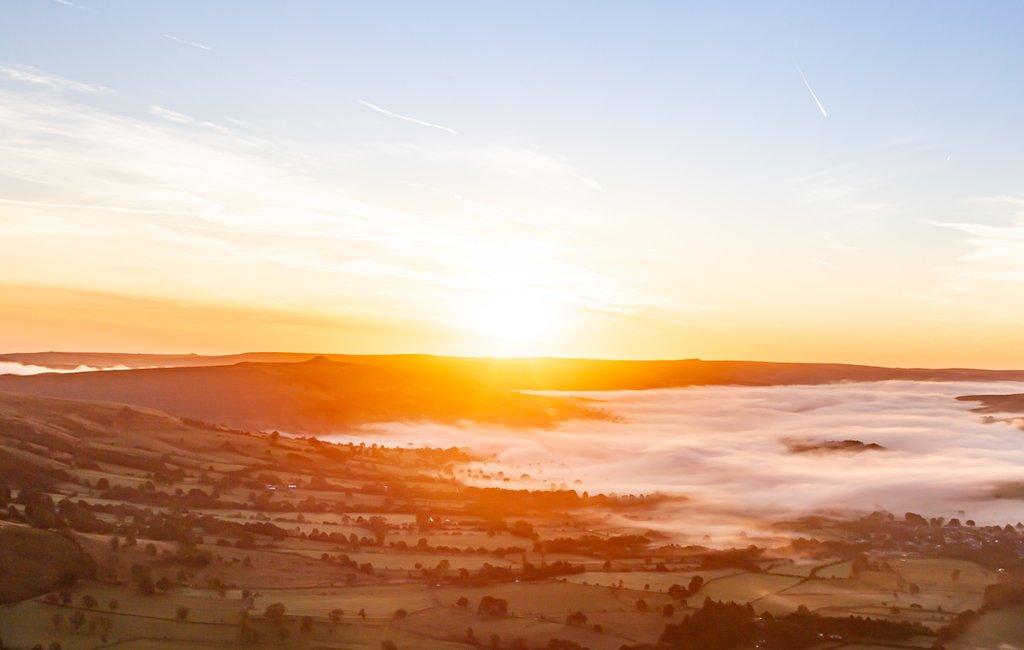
<point>641,605</point>
<point>113,605</point>
<point>400,614</point>
<point>388,645</point>
<point>462,602</point>
<point>669,609</point>
<point>164,583</point>
<point>491,606</point>
<point>274,613</point>
<point>696,582</point>
<point>307,624</point>
<point>714,626</point>
<point>88,601</point>
<point>151,549</point>
<point>562,644</point>
<point>115,543</point>
<point>182,613</point>
<point>576,618</point>
<point>145,585</point>
<point>334,616</point>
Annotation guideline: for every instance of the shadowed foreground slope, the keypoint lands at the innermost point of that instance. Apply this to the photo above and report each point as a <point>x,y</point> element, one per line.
<point>33,562</point>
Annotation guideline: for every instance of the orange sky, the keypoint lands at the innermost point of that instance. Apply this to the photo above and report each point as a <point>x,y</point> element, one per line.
<point>33,317</point>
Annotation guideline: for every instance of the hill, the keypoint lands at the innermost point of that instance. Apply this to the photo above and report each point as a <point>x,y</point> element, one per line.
<point>546,373</point>
<point>34,561</point>
<point>1012,403</point>
<point>313,396</point>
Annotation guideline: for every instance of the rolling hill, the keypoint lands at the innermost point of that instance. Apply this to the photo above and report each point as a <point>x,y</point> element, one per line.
<point>545,373</point>
<point>313,396</point>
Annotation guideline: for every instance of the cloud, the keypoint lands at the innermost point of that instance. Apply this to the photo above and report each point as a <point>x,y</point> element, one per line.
<point>198,46</point>
<point>68,3</point>
<point>516,162</point>
<point>406,117</point>
<point>181,118</point>
<point>989,274</point>
<point>817,101</point>
<point>828,265</point>
<point>280,226</point>
<point>831,242</point>
<point>100,208</point>
<point>589,182</point>
<point>725,448</point>
<point>30,75</point>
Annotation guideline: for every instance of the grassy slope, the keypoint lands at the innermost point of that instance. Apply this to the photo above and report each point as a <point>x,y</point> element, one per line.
<point>32,561</point>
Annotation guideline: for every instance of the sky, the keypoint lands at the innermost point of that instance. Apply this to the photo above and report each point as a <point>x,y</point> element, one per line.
<point>800,181</point>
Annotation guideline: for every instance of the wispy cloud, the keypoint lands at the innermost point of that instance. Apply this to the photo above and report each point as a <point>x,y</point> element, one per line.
<point>99,208</point>
<point>589,182</point>
<point>198,46</point>
<point>68,3</point>
<point>266,219</point>
<point>28,74</point>
<point>182,118</point>
<point>831,242</point>
<point>827,265</point>
<point>385,111</point>
<point>985,283</point>
<point>817,101</point>
<point>518,162</point>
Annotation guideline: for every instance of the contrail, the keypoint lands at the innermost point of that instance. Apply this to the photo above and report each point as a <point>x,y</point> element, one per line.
<point>189,43</point>
<point>405,117</point>
<point>817,101</point>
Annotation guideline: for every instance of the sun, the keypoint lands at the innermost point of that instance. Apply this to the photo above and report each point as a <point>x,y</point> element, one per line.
<point>513,322</point>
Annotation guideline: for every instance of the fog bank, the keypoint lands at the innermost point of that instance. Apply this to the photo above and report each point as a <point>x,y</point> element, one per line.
<point>725,448</point>
<point>15,368</point>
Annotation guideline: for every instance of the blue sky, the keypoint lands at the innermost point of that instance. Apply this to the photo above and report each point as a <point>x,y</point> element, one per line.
<point>663,178</point>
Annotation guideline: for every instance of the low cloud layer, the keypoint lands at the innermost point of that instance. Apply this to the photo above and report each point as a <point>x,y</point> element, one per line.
<point>14,368</point>
<point>725,448</point>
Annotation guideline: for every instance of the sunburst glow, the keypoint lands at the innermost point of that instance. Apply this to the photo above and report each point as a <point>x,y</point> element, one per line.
<point>512,323</point>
